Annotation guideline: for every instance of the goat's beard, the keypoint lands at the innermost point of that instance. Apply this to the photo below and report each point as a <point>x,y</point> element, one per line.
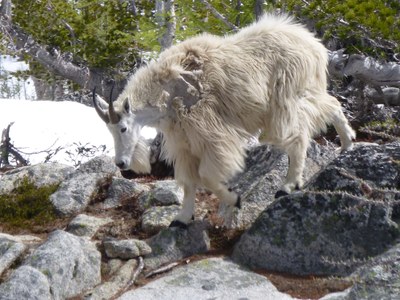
<point>141,157</point>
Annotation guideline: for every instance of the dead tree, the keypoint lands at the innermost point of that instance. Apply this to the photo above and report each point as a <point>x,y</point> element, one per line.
<point>8,151</point>
<point>383,77</point>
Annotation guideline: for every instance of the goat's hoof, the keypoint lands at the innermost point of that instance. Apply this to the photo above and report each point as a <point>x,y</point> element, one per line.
<point>280,193</point>
<point>238,203</point>
<point>179,224</point>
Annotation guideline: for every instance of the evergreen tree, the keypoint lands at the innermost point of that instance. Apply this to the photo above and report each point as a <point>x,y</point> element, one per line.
<point>366,26</point>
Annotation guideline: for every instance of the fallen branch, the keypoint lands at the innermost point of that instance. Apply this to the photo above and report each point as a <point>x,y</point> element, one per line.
<point>383,77</point>
<point>162,269</point>
<point>364,68</point>
<point>135,275</point>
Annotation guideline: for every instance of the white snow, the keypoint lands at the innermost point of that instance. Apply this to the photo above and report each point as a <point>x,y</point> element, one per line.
<point>42,125</point>
<point>69,127</point>
<point>15,87</point>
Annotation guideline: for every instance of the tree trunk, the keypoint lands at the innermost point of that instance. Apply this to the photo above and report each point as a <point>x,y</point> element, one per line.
<point>258,9</point>
<point>165,18</point>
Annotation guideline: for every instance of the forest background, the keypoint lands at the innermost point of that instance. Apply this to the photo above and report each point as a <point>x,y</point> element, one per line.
<point>72,46</point>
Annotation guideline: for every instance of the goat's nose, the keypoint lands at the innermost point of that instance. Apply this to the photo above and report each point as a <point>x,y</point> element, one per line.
<point>120,164</point>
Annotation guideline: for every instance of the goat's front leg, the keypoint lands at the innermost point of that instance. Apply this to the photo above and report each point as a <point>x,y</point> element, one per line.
<point>187,212</point>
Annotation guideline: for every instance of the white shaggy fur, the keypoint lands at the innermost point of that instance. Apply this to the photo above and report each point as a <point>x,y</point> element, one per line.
<point>209,94</point>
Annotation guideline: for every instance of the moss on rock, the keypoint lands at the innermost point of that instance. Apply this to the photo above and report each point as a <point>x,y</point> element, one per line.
<point>27,205</point>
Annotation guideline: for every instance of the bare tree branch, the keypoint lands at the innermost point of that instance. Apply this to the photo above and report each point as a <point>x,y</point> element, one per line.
<point>219,16</point>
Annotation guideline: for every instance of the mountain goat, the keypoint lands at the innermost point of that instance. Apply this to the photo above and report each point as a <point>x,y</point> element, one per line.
<point>209,94</point>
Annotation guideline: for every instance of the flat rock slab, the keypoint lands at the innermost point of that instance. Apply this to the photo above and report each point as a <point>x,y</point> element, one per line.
<point>213,278</point>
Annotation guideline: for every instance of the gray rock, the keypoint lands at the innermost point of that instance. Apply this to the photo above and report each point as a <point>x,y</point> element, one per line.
<point>100,164</point>
<point>26,283</point>
<point>159,217</point>
<point>317,233</point>
<point>120,280</point>
<point>330,232</point>
<point>368,166</point>
<point>265,172</point>
<point>10,251</point>
<point>70,263</point>
<point>213,278</point>
<point>74,195</point>
<point>40,174</point>
<point>126,249</point>
<point>111,267</point>
<point>173,244</point>
<point>164,193</point>
<point>122,188</point>
<point>87,226</point>
<point>377,279</point>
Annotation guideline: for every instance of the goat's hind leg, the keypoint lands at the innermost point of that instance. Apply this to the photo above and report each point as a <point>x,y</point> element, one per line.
<point>228,199</point>
<point>346,133</point>
<point>297,152</point>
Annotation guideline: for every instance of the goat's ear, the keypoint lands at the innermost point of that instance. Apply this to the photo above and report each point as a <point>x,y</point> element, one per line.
<point>186,88</point>
<point>127,106</point>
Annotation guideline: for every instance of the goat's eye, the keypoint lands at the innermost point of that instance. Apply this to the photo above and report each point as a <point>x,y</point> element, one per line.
<point>123,129</point>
